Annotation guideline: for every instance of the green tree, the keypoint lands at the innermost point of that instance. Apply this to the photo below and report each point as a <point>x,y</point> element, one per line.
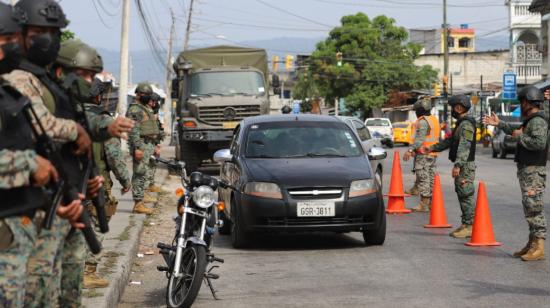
<point>376,60</point>
<point>67,35</point>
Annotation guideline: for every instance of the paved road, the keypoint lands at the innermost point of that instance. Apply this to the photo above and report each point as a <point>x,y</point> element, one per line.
<point>416,267</point>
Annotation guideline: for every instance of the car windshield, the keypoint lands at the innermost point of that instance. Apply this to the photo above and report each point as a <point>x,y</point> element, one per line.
<point>377,122</point>
<point>227,83</point>
<point>301,139</point>
<point>400,125</point>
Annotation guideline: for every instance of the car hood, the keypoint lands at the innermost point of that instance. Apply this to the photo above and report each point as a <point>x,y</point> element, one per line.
<point>309,172</point>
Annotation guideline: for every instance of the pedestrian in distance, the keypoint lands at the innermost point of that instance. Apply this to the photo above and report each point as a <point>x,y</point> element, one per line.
<point>462,150</point>
<point>426,134</point>
<point>531,156</point>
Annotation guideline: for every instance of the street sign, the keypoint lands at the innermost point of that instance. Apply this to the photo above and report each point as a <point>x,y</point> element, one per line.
<point>485,93</point>
<point>509,86</point>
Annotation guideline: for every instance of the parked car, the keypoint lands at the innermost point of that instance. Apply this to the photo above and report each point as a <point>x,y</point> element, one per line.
<point>502,143</point>
<point>367,142</point>
<point>383,127</point>
<point>299,173</point>
<point>402,132</point>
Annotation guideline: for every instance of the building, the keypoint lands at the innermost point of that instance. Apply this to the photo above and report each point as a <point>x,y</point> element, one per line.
<point>525,36</point>
<point>460,39</point>
<point>542,8</point>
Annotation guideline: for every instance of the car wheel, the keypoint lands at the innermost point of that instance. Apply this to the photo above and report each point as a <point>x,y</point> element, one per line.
<point>390,144</point>
<point>406,144</point>
<point>502,153</point>
<point>239,237</point>
<point>376,236</point>
<point>226,228</point>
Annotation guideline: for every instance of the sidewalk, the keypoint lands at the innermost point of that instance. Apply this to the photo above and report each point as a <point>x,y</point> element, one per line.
<point>120,247</point>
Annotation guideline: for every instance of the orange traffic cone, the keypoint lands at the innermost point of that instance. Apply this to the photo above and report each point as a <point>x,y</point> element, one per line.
<point>482,231</point>
<point>396,200</point>
<point>438,218</point>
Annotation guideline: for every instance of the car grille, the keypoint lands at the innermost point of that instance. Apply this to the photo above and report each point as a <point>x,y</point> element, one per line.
<point>214,115</point>
<point>312,221</point>
<point>315,193</point>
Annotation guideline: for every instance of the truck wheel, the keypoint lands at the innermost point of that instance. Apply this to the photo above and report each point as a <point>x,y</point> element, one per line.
<point>190,155</point>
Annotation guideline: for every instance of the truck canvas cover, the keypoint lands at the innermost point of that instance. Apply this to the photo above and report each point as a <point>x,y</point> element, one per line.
<point>217,56</point>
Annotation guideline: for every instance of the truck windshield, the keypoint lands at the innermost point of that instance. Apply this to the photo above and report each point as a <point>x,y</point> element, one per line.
<point>227,83</point>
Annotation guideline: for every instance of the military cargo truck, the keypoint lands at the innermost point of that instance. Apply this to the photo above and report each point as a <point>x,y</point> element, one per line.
<point>216,87</point>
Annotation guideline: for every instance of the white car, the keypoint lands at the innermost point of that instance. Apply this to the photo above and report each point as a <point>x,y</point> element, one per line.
<point>381,128</point>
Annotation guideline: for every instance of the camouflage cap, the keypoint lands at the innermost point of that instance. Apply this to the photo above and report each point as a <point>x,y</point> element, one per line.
<point>424,103</point>
<point>145,88</point>
<point>41,13</point>
<point>77,54</point>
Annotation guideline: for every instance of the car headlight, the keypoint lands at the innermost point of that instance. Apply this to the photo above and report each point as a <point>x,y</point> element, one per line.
<point>264,190</point>
<point>361,188</point>
<point>204,196</point>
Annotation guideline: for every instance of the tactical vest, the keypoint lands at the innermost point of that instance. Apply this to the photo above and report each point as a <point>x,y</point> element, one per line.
<point>148,128</point>
<point>63,109</point>
<point>98,148</point>
<point>456,141</point>
<point>16,134</point>
<point>526,157</point>
<point>434,132</point>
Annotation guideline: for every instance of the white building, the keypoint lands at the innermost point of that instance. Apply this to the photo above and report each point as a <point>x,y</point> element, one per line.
<point>525,41</point>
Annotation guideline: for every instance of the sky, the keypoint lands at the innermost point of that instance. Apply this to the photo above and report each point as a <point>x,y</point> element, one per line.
<point>98,22</point>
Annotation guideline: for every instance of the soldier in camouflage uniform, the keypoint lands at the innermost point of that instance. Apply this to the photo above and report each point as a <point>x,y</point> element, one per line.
<point>152,163</point>
<point>22,172</point>
<point>531,157</point>
<point>142,142</point>
<point>462,149</point>
<point>426,134</point>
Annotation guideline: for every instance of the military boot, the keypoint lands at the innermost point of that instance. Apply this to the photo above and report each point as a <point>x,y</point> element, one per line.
<point>91,280</point>
<point>423,205</point>
<point>536,252</point>
<point>525,249</point>
<point>147,198</point>
<point>154,188</point>
<point>413,191</point>
<point>140,208</point>
<point>463,231</point>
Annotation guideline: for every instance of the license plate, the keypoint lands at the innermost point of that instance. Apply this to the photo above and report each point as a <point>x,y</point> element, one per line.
<point>315,209</point>
<point>230,125</point>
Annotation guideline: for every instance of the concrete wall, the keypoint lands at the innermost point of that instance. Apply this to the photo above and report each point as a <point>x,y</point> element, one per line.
<point>467,68</point>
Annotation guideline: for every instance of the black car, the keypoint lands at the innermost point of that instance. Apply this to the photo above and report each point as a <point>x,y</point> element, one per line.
<point>502,143</point>
<point>299,173</point>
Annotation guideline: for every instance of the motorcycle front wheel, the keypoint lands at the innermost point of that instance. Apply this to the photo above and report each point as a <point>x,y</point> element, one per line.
<point>182,291</point>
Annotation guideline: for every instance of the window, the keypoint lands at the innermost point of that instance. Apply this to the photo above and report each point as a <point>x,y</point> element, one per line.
<point>464,42</point>
<point>377,122</point>
<point>362,130</point>
<point>234,142</point>
<point>227,83</point>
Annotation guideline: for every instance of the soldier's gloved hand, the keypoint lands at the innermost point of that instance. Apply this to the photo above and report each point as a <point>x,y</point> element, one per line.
<point>83,141</point>
<point>456,172</point>
<point>44,172</point>
<point>120,126</point>
<point>125,190</point>
<point>138,155</point>
<point>94,185</point>
<point>72,212</point>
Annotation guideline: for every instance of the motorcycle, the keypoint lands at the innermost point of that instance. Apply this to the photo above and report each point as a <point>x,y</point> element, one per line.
<point>189,254</point>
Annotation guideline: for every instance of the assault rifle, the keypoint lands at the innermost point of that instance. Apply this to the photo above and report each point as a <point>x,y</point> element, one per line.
<point>62,190</point>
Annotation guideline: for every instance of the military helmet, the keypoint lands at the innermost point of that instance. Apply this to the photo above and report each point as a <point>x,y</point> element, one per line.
<point>41,13</point>
<point>423,103</point>
<point>145,88</point>
<point>77,54</point>
<point>460,100</point>
<point>532,94</point>
<point>9,19</point>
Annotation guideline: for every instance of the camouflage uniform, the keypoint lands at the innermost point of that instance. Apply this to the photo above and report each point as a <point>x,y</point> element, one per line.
<point>464,133</point>
<point>142,137</point>
<point>424,165</point>
<point>532,178</point>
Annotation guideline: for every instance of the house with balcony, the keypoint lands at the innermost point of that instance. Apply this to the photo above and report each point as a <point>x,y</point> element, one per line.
<point>460,39</point>
<point>542,8</point>
<point>525,41</point>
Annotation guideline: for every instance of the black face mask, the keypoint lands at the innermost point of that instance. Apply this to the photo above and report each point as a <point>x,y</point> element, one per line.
<point>455,114</point>
<point>144,99</point>
<point>419,113</point>
<point>12,57</point>
<point>44,48</point>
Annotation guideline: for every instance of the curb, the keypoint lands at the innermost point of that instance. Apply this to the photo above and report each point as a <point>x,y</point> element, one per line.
<point>122,248</point>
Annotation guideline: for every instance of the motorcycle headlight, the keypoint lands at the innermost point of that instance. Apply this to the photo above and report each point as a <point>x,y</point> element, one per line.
<point>264,190</point>
<point>361,188</point>
<point>204,196</point>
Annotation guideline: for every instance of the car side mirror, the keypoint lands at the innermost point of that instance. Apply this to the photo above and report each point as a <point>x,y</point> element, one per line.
<point>222,156</point>
<point>377,153</point>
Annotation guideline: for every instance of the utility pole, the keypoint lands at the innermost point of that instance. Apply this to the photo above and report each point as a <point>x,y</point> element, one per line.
<point>445,58</point>
<point>188,29</point>
<point>14,2</point>
<point>123,82</point>
<point>336,106</point>
<point>168,101</point>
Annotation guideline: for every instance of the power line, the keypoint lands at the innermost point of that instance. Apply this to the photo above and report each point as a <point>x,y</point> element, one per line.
<point>100,16</point>
<point>291,13</point>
